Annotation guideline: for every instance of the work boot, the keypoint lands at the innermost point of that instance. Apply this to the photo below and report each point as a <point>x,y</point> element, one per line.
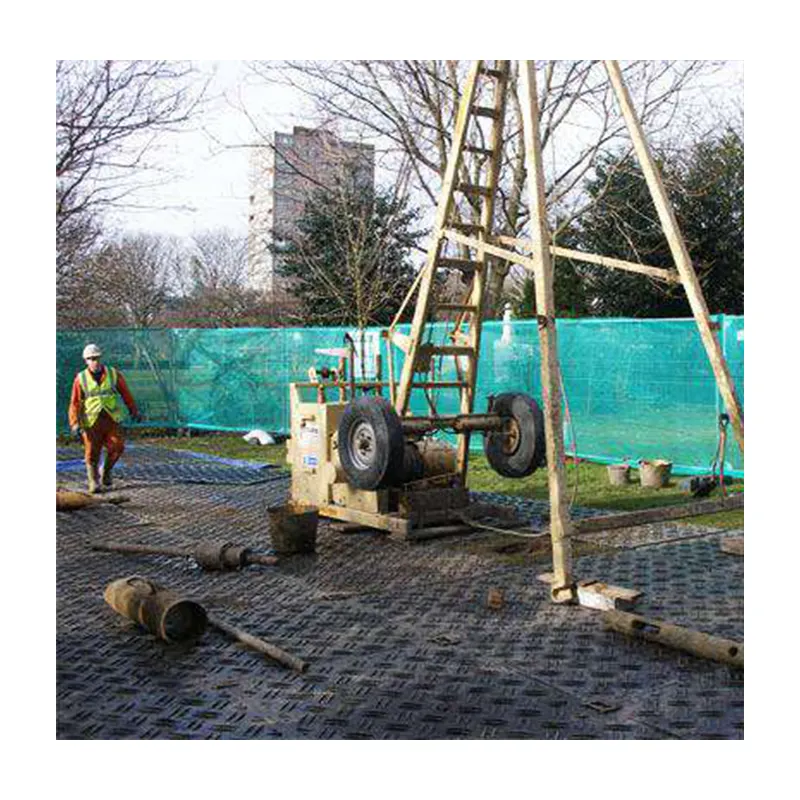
<point>92,479</point>
<point>106,476</point>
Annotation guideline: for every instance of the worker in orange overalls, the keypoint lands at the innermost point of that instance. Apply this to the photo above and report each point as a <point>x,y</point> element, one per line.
<point>95,413</point>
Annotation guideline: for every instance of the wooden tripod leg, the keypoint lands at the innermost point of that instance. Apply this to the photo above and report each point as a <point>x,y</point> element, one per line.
<point>680,254</point>
<point>563,587</point>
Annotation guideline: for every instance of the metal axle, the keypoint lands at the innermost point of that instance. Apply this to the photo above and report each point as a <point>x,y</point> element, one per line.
<point>460,423</point>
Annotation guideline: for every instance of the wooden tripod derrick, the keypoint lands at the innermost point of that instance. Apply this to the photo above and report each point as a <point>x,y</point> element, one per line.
<point>472,174</point>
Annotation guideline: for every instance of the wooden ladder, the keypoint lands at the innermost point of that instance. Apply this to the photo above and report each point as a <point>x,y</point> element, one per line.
<point>463,223</point>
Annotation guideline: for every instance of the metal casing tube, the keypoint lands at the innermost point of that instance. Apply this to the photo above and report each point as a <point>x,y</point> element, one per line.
<point>163,612</point>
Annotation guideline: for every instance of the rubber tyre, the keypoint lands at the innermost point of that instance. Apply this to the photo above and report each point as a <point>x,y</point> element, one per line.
<point>530,451</point>
<point>371,443</point>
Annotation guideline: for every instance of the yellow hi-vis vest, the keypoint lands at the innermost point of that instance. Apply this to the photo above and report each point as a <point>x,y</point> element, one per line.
<point>102,397</point>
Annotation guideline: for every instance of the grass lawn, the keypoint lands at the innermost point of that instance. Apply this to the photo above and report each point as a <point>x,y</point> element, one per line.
<point>593,488</point>
<point>227,445</point>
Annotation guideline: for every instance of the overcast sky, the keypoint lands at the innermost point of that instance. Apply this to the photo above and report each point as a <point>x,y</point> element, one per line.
<point>205,179</point>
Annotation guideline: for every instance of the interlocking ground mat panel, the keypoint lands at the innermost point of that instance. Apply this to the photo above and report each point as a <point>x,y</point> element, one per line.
<point>400,639</point>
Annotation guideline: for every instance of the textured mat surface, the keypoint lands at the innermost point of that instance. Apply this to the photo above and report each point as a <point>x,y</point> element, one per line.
<point>399,637</point>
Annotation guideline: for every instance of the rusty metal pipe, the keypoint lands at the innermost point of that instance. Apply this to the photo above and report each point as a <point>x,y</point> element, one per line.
<point>163,612</point>
<point>208,555</point>
<point>175,619</point>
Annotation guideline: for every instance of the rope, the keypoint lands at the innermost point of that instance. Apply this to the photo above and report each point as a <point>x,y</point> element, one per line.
<point>521,533</point>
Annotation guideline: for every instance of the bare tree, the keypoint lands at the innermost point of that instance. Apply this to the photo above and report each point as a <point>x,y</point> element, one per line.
<point>109,116</point>
<point>408,109</point>
<point>215,290</point>
<point>133,277</point>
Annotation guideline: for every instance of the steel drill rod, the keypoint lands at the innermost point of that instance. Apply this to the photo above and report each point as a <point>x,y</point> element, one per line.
<point>256,558</point>
<point>140,549</point>
<point>270,650</point>
<point>152,550</point>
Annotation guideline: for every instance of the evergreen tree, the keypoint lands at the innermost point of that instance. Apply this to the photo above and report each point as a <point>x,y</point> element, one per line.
<point>705,184</point>
<point>348,263</point>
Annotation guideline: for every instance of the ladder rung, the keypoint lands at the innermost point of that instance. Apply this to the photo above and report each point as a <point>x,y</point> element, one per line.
<point>464,264</point>
<point>466,227</point>
<point>440,385</point>
<point>473,188</point>
<point>484,111</point>
<point>493,73</point>
<point>450,350</point>
<point>456,307</point>
<point>481,151</point>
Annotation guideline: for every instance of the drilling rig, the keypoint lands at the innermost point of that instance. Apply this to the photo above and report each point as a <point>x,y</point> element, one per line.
<point>357,452</point>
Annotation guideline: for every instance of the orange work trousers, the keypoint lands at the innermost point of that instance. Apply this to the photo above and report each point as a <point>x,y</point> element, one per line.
<point>104,433</point>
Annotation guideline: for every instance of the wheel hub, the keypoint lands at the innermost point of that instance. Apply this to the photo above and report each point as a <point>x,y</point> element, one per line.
<point>511,436</point>
<point>362,444</point>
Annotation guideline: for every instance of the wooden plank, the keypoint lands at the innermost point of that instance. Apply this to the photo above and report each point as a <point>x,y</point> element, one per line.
<point>563,589</point>
<point>734,545</point>
<point>383,522</point>
<point>600,596</point>
<point>491,249</point>
<point>726,651</point>
<point>605,597</point>
<point>631,519</point>
<point>666,275</point>
<point>680,254</point>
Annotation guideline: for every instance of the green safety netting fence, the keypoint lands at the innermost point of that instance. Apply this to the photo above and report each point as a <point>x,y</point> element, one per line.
<point>634,388</point>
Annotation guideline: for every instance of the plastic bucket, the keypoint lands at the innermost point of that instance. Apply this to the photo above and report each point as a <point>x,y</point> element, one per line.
<point>619,474</point>
<point>293,528</point>
<point>654,474</point>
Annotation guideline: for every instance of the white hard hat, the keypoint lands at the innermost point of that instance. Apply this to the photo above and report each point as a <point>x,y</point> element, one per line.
<point>91,350</point>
